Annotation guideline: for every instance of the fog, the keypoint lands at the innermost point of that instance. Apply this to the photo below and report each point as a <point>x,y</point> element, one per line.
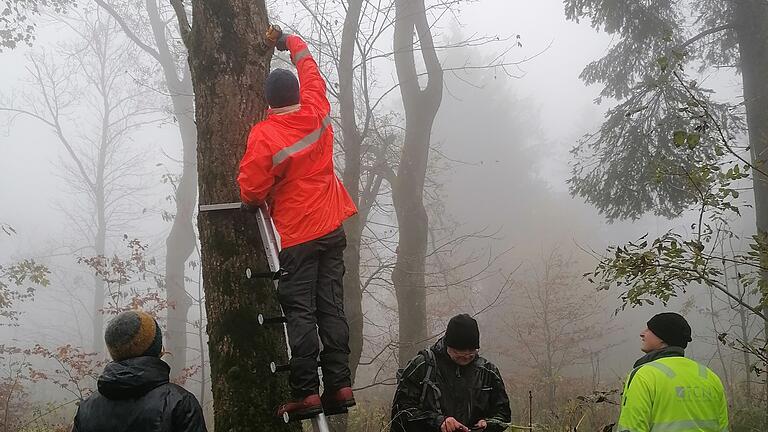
<point>497,197</point>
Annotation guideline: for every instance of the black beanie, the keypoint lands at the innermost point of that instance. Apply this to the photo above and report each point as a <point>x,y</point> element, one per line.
<point>462,333</point>
<point>672,328</point>
<point>133,334</point>
<point>281,88</point>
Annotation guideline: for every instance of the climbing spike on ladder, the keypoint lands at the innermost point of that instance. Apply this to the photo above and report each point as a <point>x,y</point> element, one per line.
<point>271,320</point>
<point>275,368</point>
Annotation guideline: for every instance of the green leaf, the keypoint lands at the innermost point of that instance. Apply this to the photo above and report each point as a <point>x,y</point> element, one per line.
<point>693,140</point>
<point>663,62</point>
<point>679,137</point>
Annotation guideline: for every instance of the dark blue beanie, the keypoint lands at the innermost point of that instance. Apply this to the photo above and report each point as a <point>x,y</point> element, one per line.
<point>281,88</point>
<point>462,333</point>
<point>672,328</point>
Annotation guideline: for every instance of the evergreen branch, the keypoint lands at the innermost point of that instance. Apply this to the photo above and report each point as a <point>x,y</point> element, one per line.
<point>704,34</point>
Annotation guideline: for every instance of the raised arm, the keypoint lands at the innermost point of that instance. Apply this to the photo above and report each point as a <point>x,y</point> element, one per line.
<point>311,83</point>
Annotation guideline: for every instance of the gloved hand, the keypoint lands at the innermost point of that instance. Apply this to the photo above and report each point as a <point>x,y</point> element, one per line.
<point>281,42</point>
<point>276,38</point>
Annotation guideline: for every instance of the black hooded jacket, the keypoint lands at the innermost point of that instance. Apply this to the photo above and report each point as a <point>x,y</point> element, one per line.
<point>467,393</point>
<point>135,395</point>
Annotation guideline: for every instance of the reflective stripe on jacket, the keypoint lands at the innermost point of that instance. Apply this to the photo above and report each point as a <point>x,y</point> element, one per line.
<point>289,161</point>
<point>673,394</point>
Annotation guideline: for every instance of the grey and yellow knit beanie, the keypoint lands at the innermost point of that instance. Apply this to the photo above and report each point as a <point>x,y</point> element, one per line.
<point>133,334</point>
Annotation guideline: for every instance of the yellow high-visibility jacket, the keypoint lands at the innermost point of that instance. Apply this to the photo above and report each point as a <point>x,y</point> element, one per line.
<point>673,394</point>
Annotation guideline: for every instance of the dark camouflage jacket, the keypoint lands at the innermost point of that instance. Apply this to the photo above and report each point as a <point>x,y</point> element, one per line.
<point>467,393</point>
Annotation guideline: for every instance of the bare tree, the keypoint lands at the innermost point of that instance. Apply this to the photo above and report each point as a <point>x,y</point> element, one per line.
<point>421,106</point>
<point>181,240</point>
<point>557,321</point>
<point>92,122</point>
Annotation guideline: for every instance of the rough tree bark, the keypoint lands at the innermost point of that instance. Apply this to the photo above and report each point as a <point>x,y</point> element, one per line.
<point>228,70</point>
<point>421,106</point>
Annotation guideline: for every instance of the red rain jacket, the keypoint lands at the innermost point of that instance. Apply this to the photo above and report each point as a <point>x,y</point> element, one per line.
<point>289,162</point>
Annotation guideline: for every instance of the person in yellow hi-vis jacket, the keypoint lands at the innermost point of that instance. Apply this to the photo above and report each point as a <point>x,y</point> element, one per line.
<point>666,392</point>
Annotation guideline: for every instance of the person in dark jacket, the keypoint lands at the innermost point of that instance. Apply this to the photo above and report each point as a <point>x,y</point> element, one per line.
<point>134,393</point>
<point>450,387</point>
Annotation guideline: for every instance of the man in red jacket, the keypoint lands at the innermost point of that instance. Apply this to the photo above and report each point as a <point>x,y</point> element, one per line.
<point>289,164</point>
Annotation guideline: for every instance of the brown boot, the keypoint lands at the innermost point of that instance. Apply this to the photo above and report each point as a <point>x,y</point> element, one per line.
<point>300,409</point>
<point>337,402</point>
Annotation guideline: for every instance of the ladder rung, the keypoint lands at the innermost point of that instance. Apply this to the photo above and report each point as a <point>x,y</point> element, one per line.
<point>272,320</point>
<point>265,275</point>
<point>275,368</point>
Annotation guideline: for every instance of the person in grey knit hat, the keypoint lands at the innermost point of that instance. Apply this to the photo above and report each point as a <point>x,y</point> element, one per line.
<point>134,392</point>
<point>133,334</point>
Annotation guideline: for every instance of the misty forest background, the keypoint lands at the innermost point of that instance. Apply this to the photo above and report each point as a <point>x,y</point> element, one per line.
<point>560,170</point>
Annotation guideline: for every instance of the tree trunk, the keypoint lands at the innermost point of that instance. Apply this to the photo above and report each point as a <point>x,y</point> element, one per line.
<point>99,247</point>
<point>751,23</point>
<point>97,344</point>
<point>228,71</point>
<point>98,284</point>
<point>100,202</point>
<point>179,246</point>
<point>352,143</point>
<point>353,296</point>
<point>408,189</point>
<point>181,240</point>
<point>549,365</point>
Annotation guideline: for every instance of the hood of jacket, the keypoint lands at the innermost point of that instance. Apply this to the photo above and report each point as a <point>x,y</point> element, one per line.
<point>133,378</point>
